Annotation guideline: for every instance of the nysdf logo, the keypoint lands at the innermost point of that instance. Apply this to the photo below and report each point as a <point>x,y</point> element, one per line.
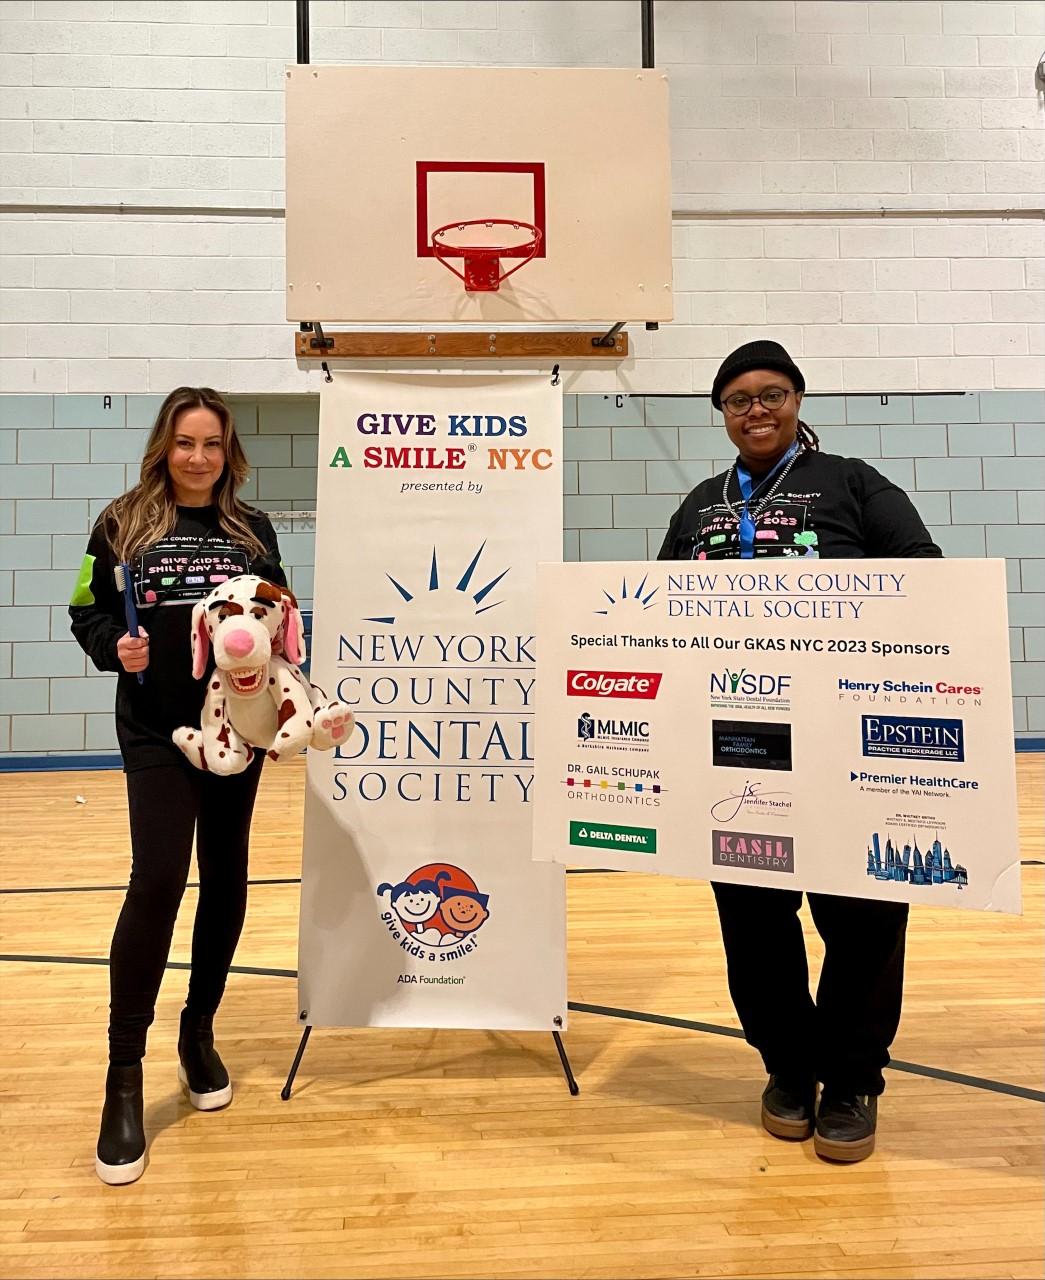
<point>613,684</point>
<point>435,912</point>
<point>750,688</point>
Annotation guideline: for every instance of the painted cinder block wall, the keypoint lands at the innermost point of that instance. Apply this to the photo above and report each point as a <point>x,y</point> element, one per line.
<point>861,181</point>
<point>973,464</point>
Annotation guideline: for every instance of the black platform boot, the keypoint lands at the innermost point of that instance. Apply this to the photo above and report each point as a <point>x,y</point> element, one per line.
<point>121,1143</point>
<point>202,1071</point>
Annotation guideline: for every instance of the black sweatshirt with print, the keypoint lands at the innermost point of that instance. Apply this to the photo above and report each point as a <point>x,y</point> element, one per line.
<point>169,577</point>
<point>826,506</point>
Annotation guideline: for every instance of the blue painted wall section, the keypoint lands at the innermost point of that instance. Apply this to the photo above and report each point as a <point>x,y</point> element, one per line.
<point>974,464</point>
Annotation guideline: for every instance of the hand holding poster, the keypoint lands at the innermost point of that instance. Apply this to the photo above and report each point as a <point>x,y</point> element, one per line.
<point>844,728</point>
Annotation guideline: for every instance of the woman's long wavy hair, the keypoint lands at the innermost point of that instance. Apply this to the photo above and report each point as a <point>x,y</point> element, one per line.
<point>148,512</point>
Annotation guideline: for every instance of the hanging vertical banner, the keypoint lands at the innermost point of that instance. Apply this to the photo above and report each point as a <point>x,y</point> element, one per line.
<point>420,905</point>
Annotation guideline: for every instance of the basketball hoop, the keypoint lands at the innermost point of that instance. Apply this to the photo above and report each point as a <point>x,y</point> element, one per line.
<point>482,267</point>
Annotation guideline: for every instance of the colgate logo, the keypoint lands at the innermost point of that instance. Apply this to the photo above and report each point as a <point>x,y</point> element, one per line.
<point>612,684</point>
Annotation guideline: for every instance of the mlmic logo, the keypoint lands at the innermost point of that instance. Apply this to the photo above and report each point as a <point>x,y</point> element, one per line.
<point>913,737</point>
<point>586,727</point>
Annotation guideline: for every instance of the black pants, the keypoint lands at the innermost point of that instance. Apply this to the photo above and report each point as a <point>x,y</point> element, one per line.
<point>843,1039</point>
<point>166,804</point>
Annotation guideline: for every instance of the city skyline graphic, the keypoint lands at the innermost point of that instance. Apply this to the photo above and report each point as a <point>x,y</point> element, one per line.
<point>912,866</point>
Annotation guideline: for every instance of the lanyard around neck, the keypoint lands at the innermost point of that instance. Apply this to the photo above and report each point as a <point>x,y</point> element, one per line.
<point>746,526</point>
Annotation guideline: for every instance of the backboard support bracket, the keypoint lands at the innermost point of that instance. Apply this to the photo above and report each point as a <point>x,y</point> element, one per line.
<point>473,345</point>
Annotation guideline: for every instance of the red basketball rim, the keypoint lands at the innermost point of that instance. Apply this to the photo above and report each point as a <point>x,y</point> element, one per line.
<point>481,260</point>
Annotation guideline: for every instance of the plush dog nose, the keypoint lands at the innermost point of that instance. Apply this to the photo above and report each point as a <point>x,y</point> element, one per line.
<point>239,643</point>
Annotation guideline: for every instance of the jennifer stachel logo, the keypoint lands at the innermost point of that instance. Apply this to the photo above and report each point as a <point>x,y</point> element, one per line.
<point>613,684</point>
<point>752,852</point>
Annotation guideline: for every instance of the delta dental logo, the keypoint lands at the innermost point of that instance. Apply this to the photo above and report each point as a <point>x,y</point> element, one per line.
<point>613,684</point>
<point>750,689</point>
<point>630,735</point>
<point>749,851</point>
<point>913,737</point>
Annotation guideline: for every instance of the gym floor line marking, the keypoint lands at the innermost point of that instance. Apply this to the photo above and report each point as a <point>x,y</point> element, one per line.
<point>195,884</point>
<point>604,1011</point>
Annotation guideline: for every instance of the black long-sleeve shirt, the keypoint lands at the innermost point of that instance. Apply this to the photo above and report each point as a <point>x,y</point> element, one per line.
<point>826,506</point>
<point>169,577</point>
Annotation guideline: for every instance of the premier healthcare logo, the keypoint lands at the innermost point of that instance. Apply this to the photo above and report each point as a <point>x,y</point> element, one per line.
<point>749,851</point>
<point>750,689</point>
<point>912,783</point>
<point>613,684</point>
<point>599,733</point>
<point>913,737</point>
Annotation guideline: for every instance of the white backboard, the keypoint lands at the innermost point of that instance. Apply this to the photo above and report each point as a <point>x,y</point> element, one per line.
<point>379,157</point>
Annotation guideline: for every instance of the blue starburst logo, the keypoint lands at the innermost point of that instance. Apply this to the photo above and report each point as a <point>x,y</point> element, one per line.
<point>629,600</point>
<point>454,596</point>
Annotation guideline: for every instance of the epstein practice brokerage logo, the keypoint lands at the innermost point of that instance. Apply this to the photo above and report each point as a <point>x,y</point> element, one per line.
<point>749,851</point>
<point>913,737</point>
<point>613,684</point>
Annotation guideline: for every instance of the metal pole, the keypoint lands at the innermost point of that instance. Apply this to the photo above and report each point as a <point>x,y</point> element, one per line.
<point>302,22</point>
<point>647,33</point>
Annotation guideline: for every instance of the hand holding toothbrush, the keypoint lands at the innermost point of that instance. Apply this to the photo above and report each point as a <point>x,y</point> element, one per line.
<point>132,649</point>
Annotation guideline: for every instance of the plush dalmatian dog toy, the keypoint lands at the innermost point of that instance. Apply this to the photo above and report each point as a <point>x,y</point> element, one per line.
<point>256,696</point>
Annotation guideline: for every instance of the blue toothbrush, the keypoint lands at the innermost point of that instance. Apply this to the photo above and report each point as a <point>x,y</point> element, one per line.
<point>125,584</point>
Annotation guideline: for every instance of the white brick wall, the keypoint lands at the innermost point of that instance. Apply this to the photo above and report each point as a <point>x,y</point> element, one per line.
<point>802,108</point>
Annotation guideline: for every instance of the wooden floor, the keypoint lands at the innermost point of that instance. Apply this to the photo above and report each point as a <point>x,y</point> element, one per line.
<point>424,1154</point>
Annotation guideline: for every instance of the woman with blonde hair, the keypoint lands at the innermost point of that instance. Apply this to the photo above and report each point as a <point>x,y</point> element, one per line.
<point>179,530</point>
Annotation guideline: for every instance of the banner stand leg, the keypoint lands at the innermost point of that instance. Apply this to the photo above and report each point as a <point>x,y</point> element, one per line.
<point>285,1091</point>
<point>571,1082</point>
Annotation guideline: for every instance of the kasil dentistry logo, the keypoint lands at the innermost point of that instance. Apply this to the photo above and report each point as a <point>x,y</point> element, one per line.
<point>745,688</point>
<point>752,800</point>
<point>750,851</point>
<point>597,732</point>
<point>434,914</point>
<point>613,684</point>
<point>913,737</point>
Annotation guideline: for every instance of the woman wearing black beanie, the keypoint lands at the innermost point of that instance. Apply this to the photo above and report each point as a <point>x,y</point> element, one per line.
<point>783,497</point>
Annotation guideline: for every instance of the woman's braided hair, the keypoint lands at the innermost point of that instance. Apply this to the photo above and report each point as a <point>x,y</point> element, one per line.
<point>807,437</point>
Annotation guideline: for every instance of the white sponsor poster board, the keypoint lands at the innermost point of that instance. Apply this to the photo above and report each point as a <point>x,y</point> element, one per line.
<point>843,726</point>
<point>420,904</point>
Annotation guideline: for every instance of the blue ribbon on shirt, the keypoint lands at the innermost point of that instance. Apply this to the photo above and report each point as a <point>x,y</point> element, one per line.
<point>747,525</point>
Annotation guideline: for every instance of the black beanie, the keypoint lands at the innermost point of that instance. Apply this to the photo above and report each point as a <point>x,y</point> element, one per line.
<point>755,355</point>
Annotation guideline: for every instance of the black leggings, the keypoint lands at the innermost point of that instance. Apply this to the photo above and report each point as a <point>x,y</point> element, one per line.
<point>166,804</point>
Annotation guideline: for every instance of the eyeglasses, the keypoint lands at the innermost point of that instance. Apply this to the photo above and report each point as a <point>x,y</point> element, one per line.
<point>770,398</point>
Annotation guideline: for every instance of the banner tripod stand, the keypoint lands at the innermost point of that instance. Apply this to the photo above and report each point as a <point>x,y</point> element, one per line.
<point>567,1070</point>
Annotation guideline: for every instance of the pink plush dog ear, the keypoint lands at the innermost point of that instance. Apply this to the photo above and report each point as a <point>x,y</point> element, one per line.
<point>200,640</point>
<point>294,632</point>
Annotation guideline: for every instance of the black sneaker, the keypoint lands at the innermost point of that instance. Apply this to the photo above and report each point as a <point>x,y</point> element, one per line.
<point>788,1107</point>
<point>120,1157</point>
<point>845,1126</point>
<point>202,1071</point>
